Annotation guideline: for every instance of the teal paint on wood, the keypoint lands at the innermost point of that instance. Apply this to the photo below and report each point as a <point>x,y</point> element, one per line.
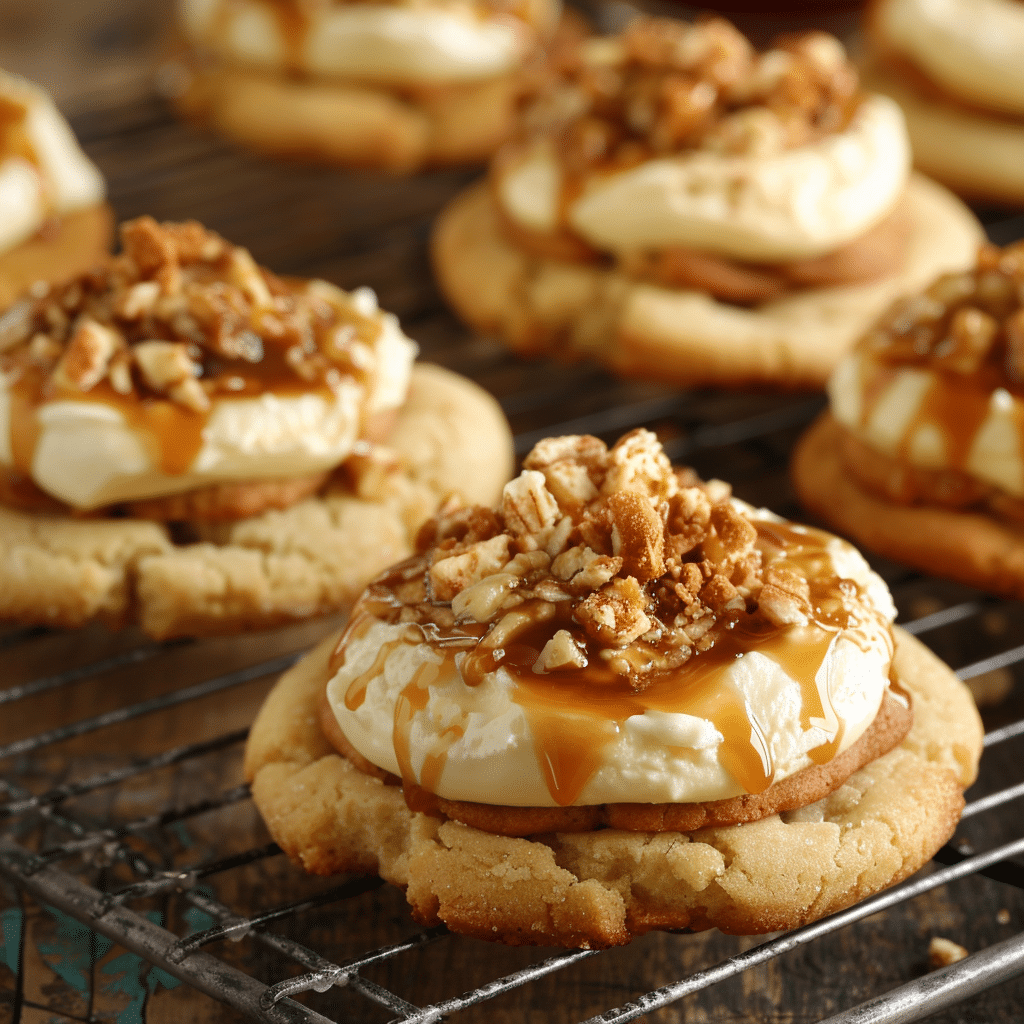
<point>10,932</point>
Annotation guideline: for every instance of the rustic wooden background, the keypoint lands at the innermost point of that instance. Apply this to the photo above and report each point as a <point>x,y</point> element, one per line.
<point>98,58</point>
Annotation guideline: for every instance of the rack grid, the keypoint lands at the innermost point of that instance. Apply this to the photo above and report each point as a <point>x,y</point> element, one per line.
<point>121,804</point>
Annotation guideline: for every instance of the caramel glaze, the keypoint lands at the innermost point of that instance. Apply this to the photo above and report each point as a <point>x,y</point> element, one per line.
<point>574,714</point>
<point>14,138</point>
<point>172,432</point>
<point>955,406</point>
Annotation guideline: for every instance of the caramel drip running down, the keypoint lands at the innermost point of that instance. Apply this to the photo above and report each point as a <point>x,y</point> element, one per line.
<point>955,411</point>
<point>24,420</point>
<point>574,714</point>
<point>171,433</point>
<point>955,408</point>
<point>293,24</point>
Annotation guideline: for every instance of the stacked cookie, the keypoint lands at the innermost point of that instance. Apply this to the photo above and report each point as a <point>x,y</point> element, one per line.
<point>620,700</point>
<point>390,85</point>
<point>920,457</point>
<point>189,441</point>
<point>683,208</point>
<point>955,69</point>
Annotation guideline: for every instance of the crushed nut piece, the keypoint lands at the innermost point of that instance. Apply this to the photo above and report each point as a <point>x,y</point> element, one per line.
<point>943,952</point>
<point>635,580</point>
<point>211,308</point>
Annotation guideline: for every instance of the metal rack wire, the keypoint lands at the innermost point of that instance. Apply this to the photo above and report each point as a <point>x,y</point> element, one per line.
<point>93,827</point>
<point>53,872</point>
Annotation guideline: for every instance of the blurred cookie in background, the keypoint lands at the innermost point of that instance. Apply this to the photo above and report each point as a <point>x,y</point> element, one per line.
<point>54,222</point>
<point>389,85</point>
<point>955,67</point>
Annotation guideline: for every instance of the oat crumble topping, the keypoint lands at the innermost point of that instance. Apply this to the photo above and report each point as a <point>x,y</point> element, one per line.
<point>643,563</point>
<point>665,85</point>
<point>184,315</point>
<point>965,323</point>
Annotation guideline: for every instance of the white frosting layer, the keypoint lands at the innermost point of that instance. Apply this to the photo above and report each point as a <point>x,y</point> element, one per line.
<point>654,757</point>
<point>367,42</point>
<point>89,456</point>
<point>796,204</point>
<point>60,179</point>
<point>895,428</point>
<point>972,48</point>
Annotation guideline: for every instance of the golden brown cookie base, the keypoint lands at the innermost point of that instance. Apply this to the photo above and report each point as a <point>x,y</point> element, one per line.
<point>606,887</point>
<point>681,337</point>
<point>891,725</point>
<point>353,125</point>
<point>69,246</point>
<point>310,559</point>
<point>970,547</point>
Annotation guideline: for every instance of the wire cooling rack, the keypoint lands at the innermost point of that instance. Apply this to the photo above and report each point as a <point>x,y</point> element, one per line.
<point>134,872</point>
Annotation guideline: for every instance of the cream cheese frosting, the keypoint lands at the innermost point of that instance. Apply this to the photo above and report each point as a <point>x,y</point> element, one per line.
<point>89,455</point>
<point>48,174</point>
<point>386,43</point>
<point>654,756</point>
<point>183,364</point>
<point>794,204</point>
<point>971,48</point>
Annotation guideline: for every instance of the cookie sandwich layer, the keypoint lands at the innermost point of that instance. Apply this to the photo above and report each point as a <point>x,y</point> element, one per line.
<point>676,193</point>
<point>182,384</point>
<point>926,417</point>
<point>383,84</point>
<point>952,66</point>
<point>617,608</point>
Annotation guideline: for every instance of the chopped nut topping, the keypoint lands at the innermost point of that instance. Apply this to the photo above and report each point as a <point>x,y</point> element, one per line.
<point>184,315</point>
<point>649,570</point>
<point>664,86</point>
<point>964,323</point>
<point>943,952</point>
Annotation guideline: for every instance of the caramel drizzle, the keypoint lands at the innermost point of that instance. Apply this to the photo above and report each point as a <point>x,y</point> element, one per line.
<point>573,715</point>
<point>172,433</point>
<point>955,408</point>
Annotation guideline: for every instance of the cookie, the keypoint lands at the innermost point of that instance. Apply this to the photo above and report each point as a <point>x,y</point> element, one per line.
<point>312,558</point>
<point>617,644</point>
<point>961,544</point>
<point>602,888</point>
<point>352,125</point>
<point>539,305</point>
<point>390,86</point>
<point>976,153</point>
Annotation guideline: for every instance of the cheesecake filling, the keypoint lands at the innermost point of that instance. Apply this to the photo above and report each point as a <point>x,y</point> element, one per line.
<point>43,172</point>
<point>183,364</point>
<point>677,138</point>
<point>936,389</point>
<point>968,48</point>
<point>616,632</point>
<point>422,42</point>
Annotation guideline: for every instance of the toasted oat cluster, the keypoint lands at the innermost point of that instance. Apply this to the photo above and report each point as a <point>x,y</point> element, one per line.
<point>964,323</point>
<point>182,314</point>
<point>650,563</point>
<point>665,86</point>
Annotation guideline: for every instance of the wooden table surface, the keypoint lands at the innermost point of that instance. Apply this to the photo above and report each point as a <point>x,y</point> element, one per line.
<point>98,58</point>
